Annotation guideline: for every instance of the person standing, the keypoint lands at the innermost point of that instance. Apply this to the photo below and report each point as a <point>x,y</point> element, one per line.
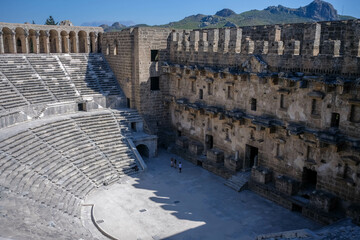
<point>180,166</point>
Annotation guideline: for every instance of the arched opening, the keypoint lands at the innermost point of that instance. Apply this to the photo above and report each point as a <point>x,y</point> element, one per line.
<point>82,42</point>
<point>32,41</point>
<point>115,47</point>
<point>43,42</point>
<point>92,42</point>
<point>107,49</point>
<point>99,43</point>
<point>7,40</point>
<point>72,42</point>
<point>64,42</point>
<point>18,46</point>
<point>20,40</point>
<point>54,41</point>
<point>143,150</point>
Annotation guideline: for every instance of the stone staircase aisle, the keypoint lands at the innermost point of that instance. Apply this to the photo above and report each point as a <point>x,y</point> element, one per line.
<point>239,181</point>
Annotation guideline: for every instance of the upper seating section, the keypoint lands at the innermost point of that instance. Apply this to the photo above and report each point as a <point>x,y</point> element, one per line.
<point>44,78</point>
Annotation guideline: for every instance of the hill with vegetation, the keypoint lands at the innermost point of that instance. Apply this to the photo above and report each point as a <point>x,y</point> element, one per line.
<point>317,10</point>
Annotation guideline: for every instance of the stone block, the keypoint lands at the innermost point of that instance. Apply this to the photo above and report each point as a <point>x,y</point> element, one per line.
<point>323,200</point>
<point>233,164</point>
<point>353,211</point>
<point>261,174</point>
<point>196,148</point>
<point>215,155</point>
<point>287,185</point>
<point>182,142</point>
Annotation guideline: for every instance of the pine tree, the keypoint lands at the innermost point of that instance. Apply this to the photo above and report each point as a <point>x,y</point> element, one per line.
<point>50,21</point>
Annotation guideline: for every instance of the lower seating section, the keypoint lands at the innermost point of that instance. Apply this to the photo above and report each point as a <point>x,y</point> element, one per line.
<point>67,138</point>
<point>49,167</point>
<point>126,118</point>
<point>23,217</point>
<point>105,132</point>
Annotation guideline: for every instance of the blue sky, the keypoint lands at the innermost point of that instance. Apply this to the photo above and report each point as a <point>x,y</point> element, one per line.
<point>141,11</point>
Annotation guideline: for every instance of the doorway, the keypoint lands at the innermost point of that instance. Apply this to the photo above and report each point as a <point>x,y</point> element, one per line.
<point>335,120</point>
<point>209,142</point>
<point>251,153</point>
<point>143,150</point>
<point>309,178</point>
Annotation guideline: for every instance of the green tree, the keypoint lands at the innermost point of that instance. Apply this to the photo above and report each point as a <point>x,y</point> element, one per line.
<point>51,21</point>
<point>33,22</point>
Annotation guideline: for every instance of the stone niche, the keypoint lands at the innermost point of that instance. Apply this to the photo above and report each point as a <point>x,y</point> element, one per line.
<point>261,174</point>
<point>196,148</point>
<point>233,164</point>
<point>182,142</point>
<point>215,155</point>
<point>353,211</point>
<point>323,200</point>
<point>287,185</point>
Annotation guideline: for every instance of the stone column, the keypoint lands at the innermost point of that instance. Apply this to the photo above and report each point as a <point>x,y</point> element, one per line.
<point>47,42</point>
<point>13,40</point>
<point>87,44</point>
<point>1,43</point>
<point>96,42</point>
<point>37,42</point>
<point>26,35</point>
<point>77,43</point>
<point>60,44</point>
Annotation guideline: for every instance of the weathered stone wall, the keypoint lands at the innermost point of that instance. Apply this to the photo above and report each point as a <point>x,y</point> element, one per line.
<point>134,69</point>
<point>326,47</point>
<point>118,50</point>
<point>286,94</point>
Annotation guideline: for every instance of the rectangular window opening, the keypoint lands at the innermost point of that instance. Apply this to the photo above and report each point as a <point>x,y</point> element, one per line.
<point>253,104</point>
<point>335,120</point>
<point>209,89</point>
<point>154,83</point>
<point>282,103</point>
<point>81,106</point>
<point>154,55</point>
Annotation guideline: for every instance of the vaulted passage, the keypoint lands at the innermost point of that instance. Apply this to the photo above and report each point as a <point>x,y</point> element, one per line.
<point>143,150</point>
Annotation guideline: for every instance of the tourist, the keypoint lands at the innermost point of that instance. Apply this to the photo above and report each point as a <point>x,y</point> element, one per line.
<point>180,166</point>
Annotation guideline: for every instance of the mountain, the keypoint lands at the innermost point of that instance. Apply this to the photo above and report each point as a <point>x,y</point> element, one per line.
<point>116,26</point>
<point>317,10</point>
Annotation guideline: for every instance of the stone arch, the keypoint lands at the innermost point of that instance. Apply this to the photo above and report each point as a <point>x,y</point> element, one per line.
<point>115,50</point>
<point>32,41</point>
<point>8,42</point>
<point>54,41</point>
<point>143,150</point>
<point>99,41</point>
<point>43,40</point>
<point>20,40</point>
<point>64,42</point>
<point>92,44</point>
<point>72,42</point>
<point>82,42</point>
